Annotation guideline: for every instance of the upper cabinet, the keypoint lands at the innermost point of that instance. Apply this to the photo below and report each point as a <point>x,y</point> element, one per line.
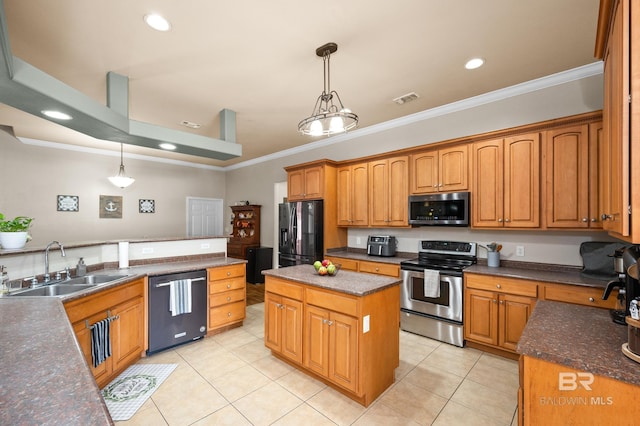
<point>353,199</point>
<point>389,192</point>
<point>306,183</point>
<point>506,182</point>
<point>443,170</point>
<point>618,40</point>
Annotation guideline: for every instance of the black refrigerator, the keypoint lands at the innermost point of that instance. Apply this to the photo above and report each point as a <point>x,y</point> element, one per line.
<point>301,233</point>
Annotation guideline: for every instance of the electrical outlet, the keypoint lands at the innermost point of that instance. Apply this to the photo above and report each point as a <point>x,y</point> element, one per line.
<point>366,325</point>
<point>520,251</point>
<point>358,240</point>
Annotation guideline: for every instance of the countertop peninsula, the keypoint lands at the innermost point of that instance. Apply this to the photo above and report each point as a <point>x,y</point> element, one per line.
<point>44,378</point>
<point>581,337</point>
<point>354,283</point>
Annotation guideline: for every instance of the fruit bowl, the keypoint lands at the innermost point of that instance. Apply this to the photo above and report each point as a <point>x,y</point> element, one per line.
<point>326,268</point>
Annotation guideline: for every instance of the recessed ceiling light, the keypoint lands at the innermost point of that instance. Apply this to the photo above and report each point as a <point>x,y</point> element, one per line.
<point>474,63</point>
<point>157,22</point>
<point>190,124</point>
<point>412,96</point>
<point>56,115</point>
<point>168,146</point>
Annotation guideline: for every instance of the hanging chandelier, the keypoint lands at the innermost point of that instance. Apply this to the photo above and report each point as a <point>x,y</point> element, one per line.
<point>121,180</point>
<point>329,116</point>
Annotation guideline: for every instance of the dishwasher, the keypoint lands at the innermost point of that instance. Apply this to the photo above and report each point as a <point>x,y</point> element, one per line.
<point>167,330</point>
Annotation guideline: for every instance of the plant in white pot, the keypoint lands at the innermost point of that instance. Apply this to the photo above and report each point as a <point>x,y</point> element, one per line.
<point>14,233</point>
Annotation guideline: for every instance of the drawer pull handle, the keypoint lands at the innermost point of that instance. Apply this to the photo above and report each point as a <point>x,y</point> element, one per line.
<point>228,273</point>
<point>228,299</point>
<point>228,285</point>
<point>591,299</point>
<point>498,286</point>
<point>229,314</point>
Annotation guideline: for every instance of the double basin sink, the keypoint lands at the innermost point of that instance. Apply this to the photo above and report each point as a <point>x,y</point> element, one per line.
<point>66,287</point>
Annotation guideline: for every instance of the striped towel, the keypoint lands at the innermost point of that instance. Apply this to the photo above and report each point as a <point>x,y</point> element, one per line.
<point>180,297</point>
<point>100,341</point>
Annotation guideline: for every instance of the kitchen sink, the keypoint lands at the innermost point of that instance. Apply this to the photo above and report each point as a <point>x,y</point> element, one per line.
<point>54,290</point>
<point>92,279</point>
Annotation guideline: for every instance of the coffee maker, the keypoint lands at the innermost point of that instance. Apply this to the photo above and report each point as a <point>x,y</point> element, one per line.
<point>625,264</point>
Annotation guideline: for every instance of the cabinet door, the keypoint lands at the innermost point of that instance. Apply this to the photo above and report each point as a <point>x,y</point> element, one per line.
<point>83,335</point>
<point>314,183</point>
<point>295,185</point>
<point>398,191</point>
<point>316,344</point>
<point>292,320</point>
<point>514,312</point>
<point>127,339</point>
<point>344,188</point>
<point>453,168</point>
<point>360,195</point>
<point>522,181</point>
<point>343,347</point>
<point>378,193</point>
<point>424,172</point>
<point>566,176</point>
<point>487,184</point>
<point>596,169</point>
<point>481,316</point>
<point>273,322</point>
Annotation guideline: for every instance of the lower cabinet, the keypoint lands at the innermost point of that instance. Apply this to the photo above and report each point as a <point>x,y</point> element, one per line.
<point>496,309</point>
<point>125,305</point>
<point>227,296</point>
<point>380,268</point>
<point>349,342</point>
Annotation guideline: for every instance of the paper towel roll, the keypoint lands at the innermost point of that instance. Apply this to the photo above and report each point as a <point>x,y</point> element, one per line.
<point>123,254</point>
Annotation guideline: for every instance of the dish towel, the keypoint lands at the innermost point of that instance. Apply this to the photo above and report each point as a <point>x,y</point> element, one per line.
<point>180,297</point>
<point>431,283</point>
<point>101,341</point>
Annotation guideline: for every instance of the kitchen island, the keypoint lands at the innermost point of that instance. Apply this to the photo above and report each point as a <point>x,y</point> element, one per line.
<point>572,369</point>
<point>342,329</point>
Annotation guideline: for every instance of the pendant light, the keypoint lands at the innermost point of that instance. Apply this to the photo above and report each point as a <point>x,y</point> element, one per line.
<point>329,115</point>
<point>121,180</point>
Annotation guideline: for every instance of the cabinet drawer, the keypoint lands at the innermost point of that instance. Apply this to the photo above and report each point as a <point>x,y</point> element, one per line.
<point>346,264</point>
<point>284,288</point>
<point>226,272</point>
<point>226,285</point>
<point>331,301</point>
<point>226,314</point>
<point>502,285</point>
<point>219,299</point>
<point>380,268</point>
<point>580,295</point>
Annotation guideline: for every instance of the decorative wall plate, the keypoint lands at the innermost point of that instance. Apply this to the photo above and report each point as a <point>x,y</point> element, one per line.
<point>68,203</point>
<point>110,207</point>
<point>147,206</point>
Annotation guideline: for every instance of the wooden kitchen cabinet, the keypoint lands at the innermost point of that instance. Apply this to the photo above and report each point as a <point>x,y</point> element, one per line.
<point>588,296</point>
<point>227,297</point>
<point>378,268</point>
<point>496,309</point>
<point>245,233</point>
<point>388,192</point>
<point>353,200</point>
<point>506,182</point>
<point>306,183</point>
<point>441,170</point>
<point>125,304</point>
<point>284,333</point>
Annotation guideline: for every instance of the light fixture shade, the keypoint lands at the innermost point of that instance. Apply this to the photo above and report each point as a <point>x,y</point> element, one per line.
<point>121,180</point>
<point>329,116</point>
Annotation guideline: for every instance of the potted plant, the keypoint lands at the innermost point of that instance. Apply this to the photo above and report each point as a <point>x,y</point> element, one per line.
<point>14,233</point>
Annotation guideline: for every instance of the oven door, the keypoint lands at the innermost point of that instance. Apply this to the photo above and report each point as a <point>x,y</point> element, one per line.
<point>447,306</point>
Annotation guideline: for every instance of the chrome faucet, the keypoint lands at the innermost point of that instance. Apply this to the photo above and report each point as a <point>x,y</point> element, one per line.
<point>47,277</point>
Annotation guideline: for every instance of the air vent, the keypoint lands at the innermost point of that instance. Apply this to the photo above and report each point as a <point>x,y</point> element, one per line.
<point>406,98</point>
<point>190,124</point>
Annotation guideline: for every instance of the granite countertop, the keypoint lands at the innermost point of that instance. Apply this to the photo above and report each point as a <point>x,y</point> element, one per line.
<point>581,337</point>
<point>361,254</point>
<point>44,378</point>
<point>539,272</point>
<point>354,283</point>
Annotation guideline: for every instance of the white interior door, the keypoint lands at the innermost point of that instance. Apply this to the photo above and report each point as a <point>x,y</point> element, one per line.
<point>204,217</point>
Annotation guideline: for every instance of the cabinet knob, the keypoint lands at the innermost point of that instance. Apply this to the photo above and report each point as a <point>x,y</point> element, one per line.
<point>594,219</point>
<point>498,286</point>
<point>228,314</point>
<point>280,306</point>
<point>500,220</point>
<point>435,185</point>
<point>591,299</point>
<point>502,302</point>
<point>584,219</point>
<point>441,185</point>
<point>228,285</point>
<point>228,299</point>
<point>377,269</point>
<point>228,273</point>
<point>495,301</point>
<point>506,220</point>
<point>606,216</point>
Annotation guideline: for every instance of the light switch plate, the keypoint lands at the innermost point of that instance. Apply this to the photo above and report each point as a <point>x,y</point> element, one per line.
<point>365,324</point>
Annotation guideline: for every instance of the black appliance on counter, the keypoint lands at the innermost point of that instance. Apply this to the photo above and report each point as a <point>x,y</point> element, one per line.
<point>258,259</point>
<point>625,262</point>
<point>166,330</point>
<point>381,245</point>
<point>301,233</point>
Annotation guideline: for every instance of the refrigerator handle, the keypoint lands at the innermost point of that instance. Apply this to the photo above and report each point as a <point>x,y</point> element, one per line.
<point>292,228</point>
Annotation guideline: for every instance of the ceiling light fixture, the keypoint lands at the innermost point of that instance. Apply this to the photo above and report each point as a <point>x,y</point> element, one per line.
<point>167,146</point>
<point>121,180</point>
<point>157,22</point>
<point>474,63</point>
<point>57,115</point>
<point>328,118</point>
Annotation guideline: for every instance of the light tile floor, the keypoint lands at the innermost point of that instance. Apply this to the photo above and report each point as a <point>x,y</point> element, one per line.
<point>232,379</point>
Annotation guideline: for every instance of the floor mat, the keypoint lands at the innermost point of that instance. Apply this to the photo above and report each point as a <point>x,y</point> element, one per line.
<point>127,392</point>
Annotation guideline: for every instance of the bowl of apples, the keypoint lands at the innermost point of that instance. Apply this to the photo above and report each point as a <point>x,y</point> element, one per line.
<point>326,267</point>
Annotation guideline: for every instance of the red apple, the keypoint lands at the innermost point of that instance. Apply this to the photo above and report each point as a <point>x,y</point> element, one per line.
<point>326,263</point>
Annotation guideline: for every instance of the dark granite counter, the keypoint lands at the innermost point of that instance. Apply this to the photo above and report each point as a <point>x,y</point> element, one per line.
<point>355,283</point>
<point>546,273</point>
<point>361,254</point>
<point>580,337</point>
<point>44,378</point>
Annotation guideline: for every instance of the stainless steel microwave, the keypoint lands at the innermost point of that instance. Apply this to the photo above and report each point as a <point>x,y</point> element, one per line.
<point>441,209</point>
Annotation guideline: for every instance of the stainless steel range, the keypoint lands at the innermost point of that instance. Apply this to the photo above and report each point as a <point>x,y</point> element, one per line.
<point>431,292</point>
